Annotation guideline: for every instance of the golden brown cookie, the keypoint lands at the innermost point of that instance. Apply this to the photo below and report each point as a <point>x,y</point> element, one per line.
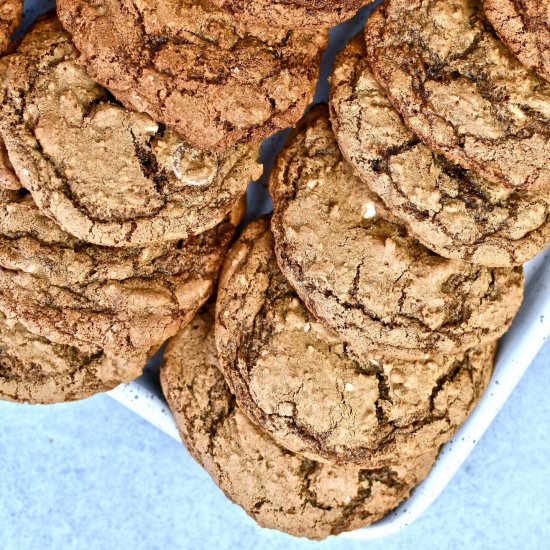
<point>461,90</point>
<point>452,211</point>
<point>203,73</point>
<point>35,370</point>
<point>303,385</point>
<point>358,270</point>
<point>279,489</point>
<point>293,14</point>
<point>524,26</point>
<point>11,12</point>
<point>120,300</point>
<point>107,175</point>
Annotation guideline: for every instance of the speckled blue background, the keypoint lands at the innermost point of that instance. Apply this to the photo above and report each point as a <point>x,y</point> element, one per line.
<point>93,475</point>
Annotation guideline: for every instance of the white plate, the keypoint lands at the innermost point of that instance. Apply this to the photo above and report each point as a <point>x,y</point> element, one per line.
<point>516,351</point>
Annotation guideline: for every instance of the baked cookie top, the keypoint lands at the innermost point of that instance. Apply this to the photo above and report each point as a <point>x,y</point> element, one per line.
<point>453,211</point>
<point>107,175</point>
<point>83,295</point>
<point>358,269</point>
<point>11,12</point>
<point>279,489</point>
<point>205,74</point>
<point>293,14</point>
<point>304,386</point>
<point>35,370</point>
<point>525,28</point>
<point>461,90</point>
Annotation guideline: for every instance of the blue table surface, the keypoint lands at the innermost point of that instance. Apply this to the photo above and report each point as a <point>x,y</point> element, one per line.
<point>93,475</point>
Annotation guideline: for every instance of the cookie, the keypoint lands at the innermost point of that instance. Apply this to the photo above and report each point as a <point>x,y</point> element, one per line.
<point>119,300</point>
<point>525,28</point>
<point>35,370</point>
<point>279,489</point>
<point>307,388</point>
<point>11,12</point>
<point>107,175</point>
<point>293,14</point>
<point>461,90</point>
<point>358,270</point>
<point>208,76</point>
<point>452,211</point>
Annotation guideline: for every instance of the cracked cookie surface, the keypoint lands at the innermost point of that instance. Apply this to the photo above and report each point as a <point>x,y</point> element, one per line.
<point>452,211</point>
<point>84,295</point>
<point>11,12</point>
<point>279,489</point>
<point>202,73</point>
<point>306,387</point>
<point>293,14</point>
<point>524,26</point>
<point>358,270</point>
<point>35,370</point>
<point>461,90</point>
<point>107,175</point>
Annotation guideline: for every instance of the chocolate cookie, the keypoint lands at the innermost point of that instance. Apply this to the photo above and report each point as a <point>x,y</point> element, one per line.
<point>358,270</point>
<point>10,17</point>
<point>35,370</point>
<point>461,90</point>
<point>293,14</point>
<point>87,296</point>
<point>279,489</point>
<point>305,386</point>
<point>524,26</point>
<point>107,175</point>
<point>212,78</point>
<point>453,211</point>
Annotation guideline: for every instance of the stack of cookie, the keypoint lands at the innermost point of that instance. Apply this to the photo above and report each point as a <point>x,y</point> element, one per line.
<point>130,132</point>
<point>355,330</point>
<point>112,232</point>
